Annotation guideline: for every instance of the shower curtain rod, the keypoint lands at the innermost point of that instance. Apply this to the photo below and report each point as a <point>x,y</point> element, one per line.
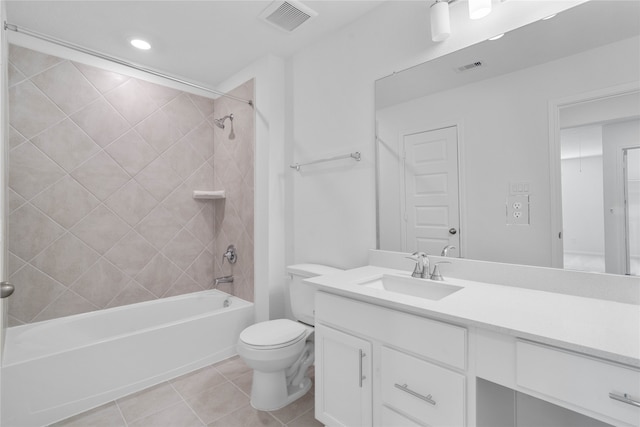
<point>15,28</point>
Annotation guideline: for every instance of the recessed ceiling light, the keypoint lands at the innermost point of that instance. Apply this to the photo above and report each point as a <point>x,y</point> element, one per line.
<point>549,17</point>
<point>499,36</point>
<point>140,44</point>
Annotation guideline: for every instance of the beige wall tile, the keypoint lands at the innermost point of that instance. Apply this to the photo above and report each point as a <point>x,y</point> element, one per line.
<point>101,175</point>
<point>34,291</point>
<point>183,113</point>
<point>31,62</point>
<point>101,283</point>
<point>133,293</point>
<point>30,171</point>
<point>66,202</point>
<point>159,131</point>
<point>101,122</point>
<point>131,202</point>
<point>103,80</point>
<point>66,259</point>
<point>101,229</point>
<point>158,178</point>
<point>131,254</point>
<point>65,305</point>
<point>66,86</point>
<point>66,144</point>
<point>159,227</point>
<point>30,232</point>
<point>131,152</point>
<point>30,111</point>
<point>159,275</point>
<point>130,100</point>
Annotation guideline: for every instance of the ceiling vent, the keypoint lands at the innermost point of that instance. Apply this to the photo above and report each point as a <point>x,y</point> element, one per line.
<point>471,66</point>
<point>287,15</point>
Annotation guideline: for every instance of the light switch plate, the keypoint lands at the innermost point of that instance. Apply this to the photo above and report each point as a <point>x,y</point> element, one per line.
<point>519,187</point>
<point>518,209</point>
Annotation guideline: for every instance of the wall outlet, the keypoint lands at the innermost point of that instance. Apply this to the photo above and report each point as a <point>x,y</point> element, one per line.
<point>518,209</point>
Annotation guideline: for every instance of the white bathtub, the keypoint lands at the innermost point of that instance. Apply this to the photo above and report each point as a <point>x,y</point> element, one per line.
<point>58,368</point>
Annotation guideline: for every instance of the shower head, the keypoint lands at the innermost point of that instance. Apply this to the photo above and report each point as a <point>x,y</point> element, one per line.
<point>220,123</point>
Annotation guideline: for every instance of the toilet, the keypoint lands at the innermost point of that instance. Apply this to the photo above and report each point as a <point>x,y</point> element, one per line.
<point>280,351</point>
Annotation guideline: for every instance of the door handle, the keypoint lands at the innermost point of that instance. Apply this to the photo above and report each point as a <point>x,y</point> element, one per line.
<point>6,289</point>
<point>361,373</point>
<point>452,230</point>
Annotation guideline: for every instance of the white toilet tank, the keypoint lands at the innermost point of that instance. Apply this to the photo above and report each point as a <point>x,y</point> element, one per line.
<point>302,295</point>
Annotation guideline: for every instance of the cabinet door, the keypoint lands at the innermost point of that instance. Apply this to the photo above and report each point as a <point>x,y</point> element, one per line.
<point>343,378</point>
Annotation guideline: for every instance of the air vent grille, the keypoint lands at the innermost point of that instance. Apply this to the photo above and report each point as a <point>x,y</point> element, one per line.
<point>287,15</point>
<point>471,66</point>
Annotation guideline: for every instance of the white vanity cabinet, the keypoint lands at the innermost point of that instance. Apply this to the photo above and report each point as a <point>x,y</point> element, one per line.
<point>379,366</point>
<point>343,379</point>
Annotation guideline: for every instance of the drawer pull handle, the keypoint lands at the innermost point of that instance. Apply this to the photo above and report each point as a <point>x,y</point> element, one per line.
<point>406,389</point>
<point>624,398</point>
<point>362,377</point>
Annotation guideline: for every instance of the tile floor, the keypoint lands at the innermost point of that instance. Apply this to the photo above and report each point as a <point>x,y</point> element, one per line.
<point>216,396</point>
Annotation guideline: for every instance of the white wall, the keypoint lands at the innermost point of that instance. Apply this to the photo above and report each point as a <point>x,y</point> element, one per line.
<point>269,253</point>
<point>331,112</point>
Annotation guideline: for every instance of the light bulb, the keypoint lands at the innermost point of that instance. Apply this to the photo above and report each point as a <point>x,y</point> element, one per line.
<point>479,8</point>
<point>140,44</point>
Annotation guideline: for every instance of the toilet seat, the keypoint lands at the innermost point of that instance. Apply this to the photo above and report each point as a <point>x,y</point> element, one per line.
<point>273,334</point>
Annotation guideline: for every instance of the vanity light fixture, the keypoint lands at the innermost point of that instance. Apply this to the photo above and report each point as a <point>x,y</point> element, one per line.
<point>440,23</point>
<point>140,44</point>
<point>479,8</point>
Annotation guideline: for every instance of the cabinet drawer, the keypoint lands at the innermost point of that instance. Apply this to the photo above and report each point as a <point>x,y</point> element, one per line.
<point>389,417</point>
<point>579,380</point>
<point>435,340</point>
<point>422,390</point>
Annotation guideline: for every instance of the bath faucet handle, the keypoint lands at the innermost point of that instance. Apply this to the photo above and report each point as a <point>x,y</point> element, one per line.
<point>230,255</point>
<point>436,271</point>
<point>421,269</point>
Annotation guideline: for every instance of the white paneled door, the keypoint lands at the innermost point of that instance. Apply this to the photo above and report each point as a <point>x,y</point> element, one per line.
<point>431,203</point>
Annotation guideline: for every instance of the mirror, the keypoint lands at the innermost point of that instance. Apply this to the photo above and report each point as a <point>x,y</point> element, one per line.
<point>504,103</point>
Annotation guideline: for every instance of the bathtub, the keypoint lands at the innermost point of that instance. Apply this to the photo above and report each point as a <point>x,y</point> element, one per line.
<point>58,368</point>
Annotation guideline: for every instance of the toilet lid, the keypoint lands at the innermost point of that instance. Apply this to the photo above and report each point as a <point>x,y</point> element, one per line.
<point>272,333</point>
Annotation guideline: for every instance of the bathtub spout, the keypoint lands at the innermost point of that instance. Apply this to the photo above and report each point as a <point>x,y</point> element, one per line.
<point>223,279</point>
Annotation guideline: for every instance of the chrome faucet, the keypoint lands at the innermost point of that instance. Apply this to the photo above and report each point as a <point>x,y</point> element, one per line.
<point>421,269</point>
<point>446,249</point>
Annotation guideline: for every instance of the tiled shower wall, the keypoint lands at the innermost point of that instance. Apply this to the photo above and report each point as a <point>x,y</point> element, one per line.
<point>233,164</point>
<point>102,167</point>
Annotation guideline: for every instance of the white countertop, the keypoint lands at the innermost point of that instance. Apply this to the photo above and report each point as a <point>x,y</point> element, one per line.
<point>596,327</point>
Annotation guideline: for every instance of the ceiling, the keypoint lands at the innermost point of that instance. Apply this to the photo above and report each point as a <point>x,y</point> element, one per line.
<point>204,41</point>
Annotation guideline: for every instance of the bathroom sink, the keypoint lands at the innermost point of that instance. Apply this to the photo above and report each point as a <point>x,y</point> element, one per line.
<point>421,288</point>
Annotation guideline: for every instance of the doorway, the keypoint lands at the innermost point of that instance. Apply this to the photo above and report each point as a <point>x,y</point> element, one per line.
<point>595,144</point>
